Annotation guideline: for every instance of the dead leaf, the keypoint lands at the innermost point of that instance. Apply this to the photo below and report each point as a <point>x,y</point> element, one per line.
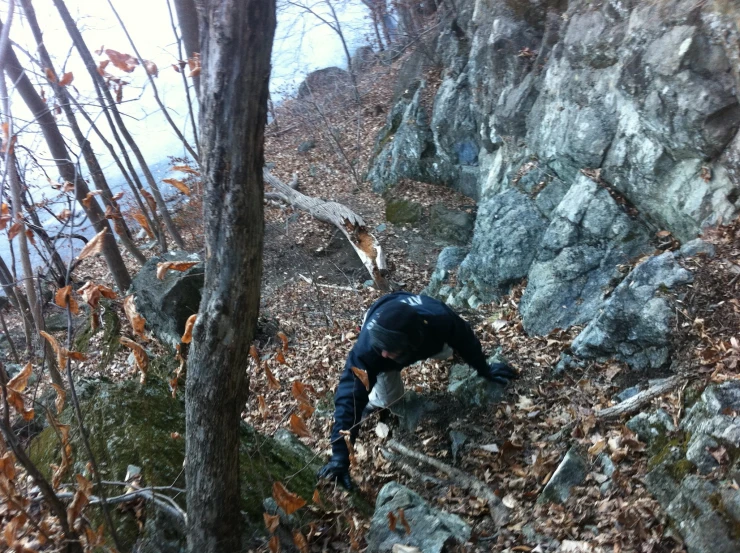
<point>287,501</point>
<point>94,246</point>
<point>272,382</point>
<point>362,375</point>
<point>284,340</point>
<point>138,322</point>
<point>60,351</point>
<point>280,357</point>
<point>298,426</point>
<point>185,169</point>
<point>124,62</point>
<point>142,359</point>
<point>403,521</point>
<point>20,381</point>
<point>271,522</point>
<point>80,501</point>
<point>66,79</point>
<point>298,391</point>
<point>88,198</point>
<point>262,406</point>
<point>149,200</point>
<point>274,544</point>
<point>151,68</point>
<point>63,298</point>
<point>181,186</point>
<point>300,541</point>
<point>598,447</point>
<point>61,396</point>
<point>181,266</point>
<point>187,337</point>
<point>255,354</point>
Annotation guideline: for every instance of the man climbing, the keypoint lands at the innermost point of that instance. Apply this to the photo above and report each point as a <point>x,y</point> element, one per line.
<point>398,330</point>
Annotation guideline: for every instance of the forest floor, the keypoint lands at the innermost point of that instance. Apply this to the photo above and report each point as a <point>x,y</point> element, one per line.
<point>315,292</point>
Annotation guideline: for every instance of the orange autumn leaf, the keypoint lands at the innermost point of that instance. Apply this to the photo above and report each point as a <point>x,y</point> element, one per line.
<point>50,74</point>
<point>86,201</point>
<point>94,246</point>
<point>298,426</point>
<point>5,216</point>
<point>61,352</point>
<point>142,359</point>
<point>284,340</point>
<point>404,522</point>
<point>280,357</point>
<point>185,169</point>
<point>141,219</point>
<point>64,215</point>
<point>124,62</point>
<point>274,544</point>
<point>20,381</point>
<point>187,336</point>
<point>287,501</point>
<point>272,382</point>
<point>181,186</point>
<point>306,409</point>
<point>300,541</point>
<point>66,79</point>
<point>30,237</point>
<point>63,298</point>
<point>16,401</point>
<point>392,520</point>
<point>362,375</point>
<point>181,266</point>
<point>61,396</point>
<point>137,321</point>
<point>117,197</point>
<point>149,200</point>
<point>255,355</point>
<point>14,229</point>
<point>298,391</point>
<point>271,522</point>
<point>80,501</point>
<point>262,406</point>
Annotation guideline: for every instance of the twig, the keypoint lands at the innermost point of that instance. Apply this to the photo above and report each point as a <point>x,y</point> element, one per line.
<point>499,512</point>
<point>332,286</point>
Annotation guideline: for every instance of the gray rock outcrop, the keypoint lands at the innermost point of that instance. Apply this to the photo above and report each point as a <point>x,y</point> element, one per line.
<point>166,304</point>
<point>634,324</point>
<point>705,511</point>
<point>571,472</point>
<point>431,529</point>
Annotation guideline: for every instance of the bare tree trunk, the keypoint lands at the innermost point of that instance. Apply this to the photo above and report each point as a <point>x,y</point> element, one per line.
<point>18,300</point>
<point>185,79</point>
<point>187,16</point>
<point>235,34</point>
<point>15,191</point>
<point>96,172</point>
<point>67,170</point>
<point>110,104</point>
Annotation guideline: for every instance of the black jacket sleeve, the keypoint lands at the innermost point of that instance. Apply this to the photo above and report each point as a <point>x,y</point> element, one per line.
<point>463,340</point>
<point>350,400</point>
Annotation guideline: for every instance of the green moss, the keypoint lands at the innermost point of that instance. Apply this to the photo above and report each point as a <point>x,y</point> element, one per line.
<point>663,449</point>
<point>399,211</point>
<point>133,424</point>
<point>715,500</point>
<point>111,332</point>
<point>680,469</point>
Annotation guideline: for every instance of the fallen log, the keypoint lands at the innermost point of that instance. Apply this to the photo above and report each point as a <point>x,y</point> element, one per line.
<point>352,225</point>
<point>626,407</point>
<point>499,512</point>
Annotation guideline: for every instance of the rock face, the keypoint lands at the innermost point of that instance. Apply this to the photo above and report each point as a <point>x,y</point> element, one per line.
<point>705,511</point>
<point>640,96</point>
<point>324,80</point>
<point>432,530</point>
<point>571,472</point>
<point>634,325</point>
<point>166,304</point>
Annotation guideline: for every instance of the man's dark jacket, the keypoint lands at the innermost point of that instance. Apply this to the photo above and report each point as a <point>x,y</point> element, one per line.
<point>440,326</point>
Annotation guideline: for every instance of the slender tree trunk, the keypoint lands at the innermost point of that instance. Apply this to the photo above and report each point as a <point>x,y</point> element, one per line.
<point>18,300</point>
<point>96,172</point>
<point>187,16</point>
<point>84,52</point>
<point>235,34</point>
<point>185,84</point>
<point>162,107</point>
<point>67,170</point>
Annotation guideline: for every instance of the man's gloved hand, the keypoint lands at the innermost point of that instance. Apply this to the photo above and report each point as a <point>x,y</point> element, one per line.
<point>500,373</point>
<point>336,469</point>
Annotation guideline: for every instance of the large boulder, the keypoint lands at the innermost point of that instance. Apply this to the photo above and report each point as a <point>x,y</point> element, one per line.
<point>451,225</point>
<point>704,509</point>
<point>635,323</point>
<point>508,230</point>
<point>448,261</point>
<point>323,81</point>
<point>432,530</point>
<point>166,304</point>
<point>578,257</point>
<point>130,424</point>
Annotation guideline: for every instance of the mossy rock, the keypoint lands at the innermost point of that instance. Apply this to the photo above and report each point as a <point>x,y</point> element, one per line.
<point>111,332</point>
<point>401,212</point>
<point>131,424</point>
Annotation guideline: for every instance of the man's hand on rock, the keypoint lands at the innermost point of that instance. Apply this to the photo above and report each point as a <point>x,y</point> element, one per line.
<point>336,469</point>
<point>500,373</point>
